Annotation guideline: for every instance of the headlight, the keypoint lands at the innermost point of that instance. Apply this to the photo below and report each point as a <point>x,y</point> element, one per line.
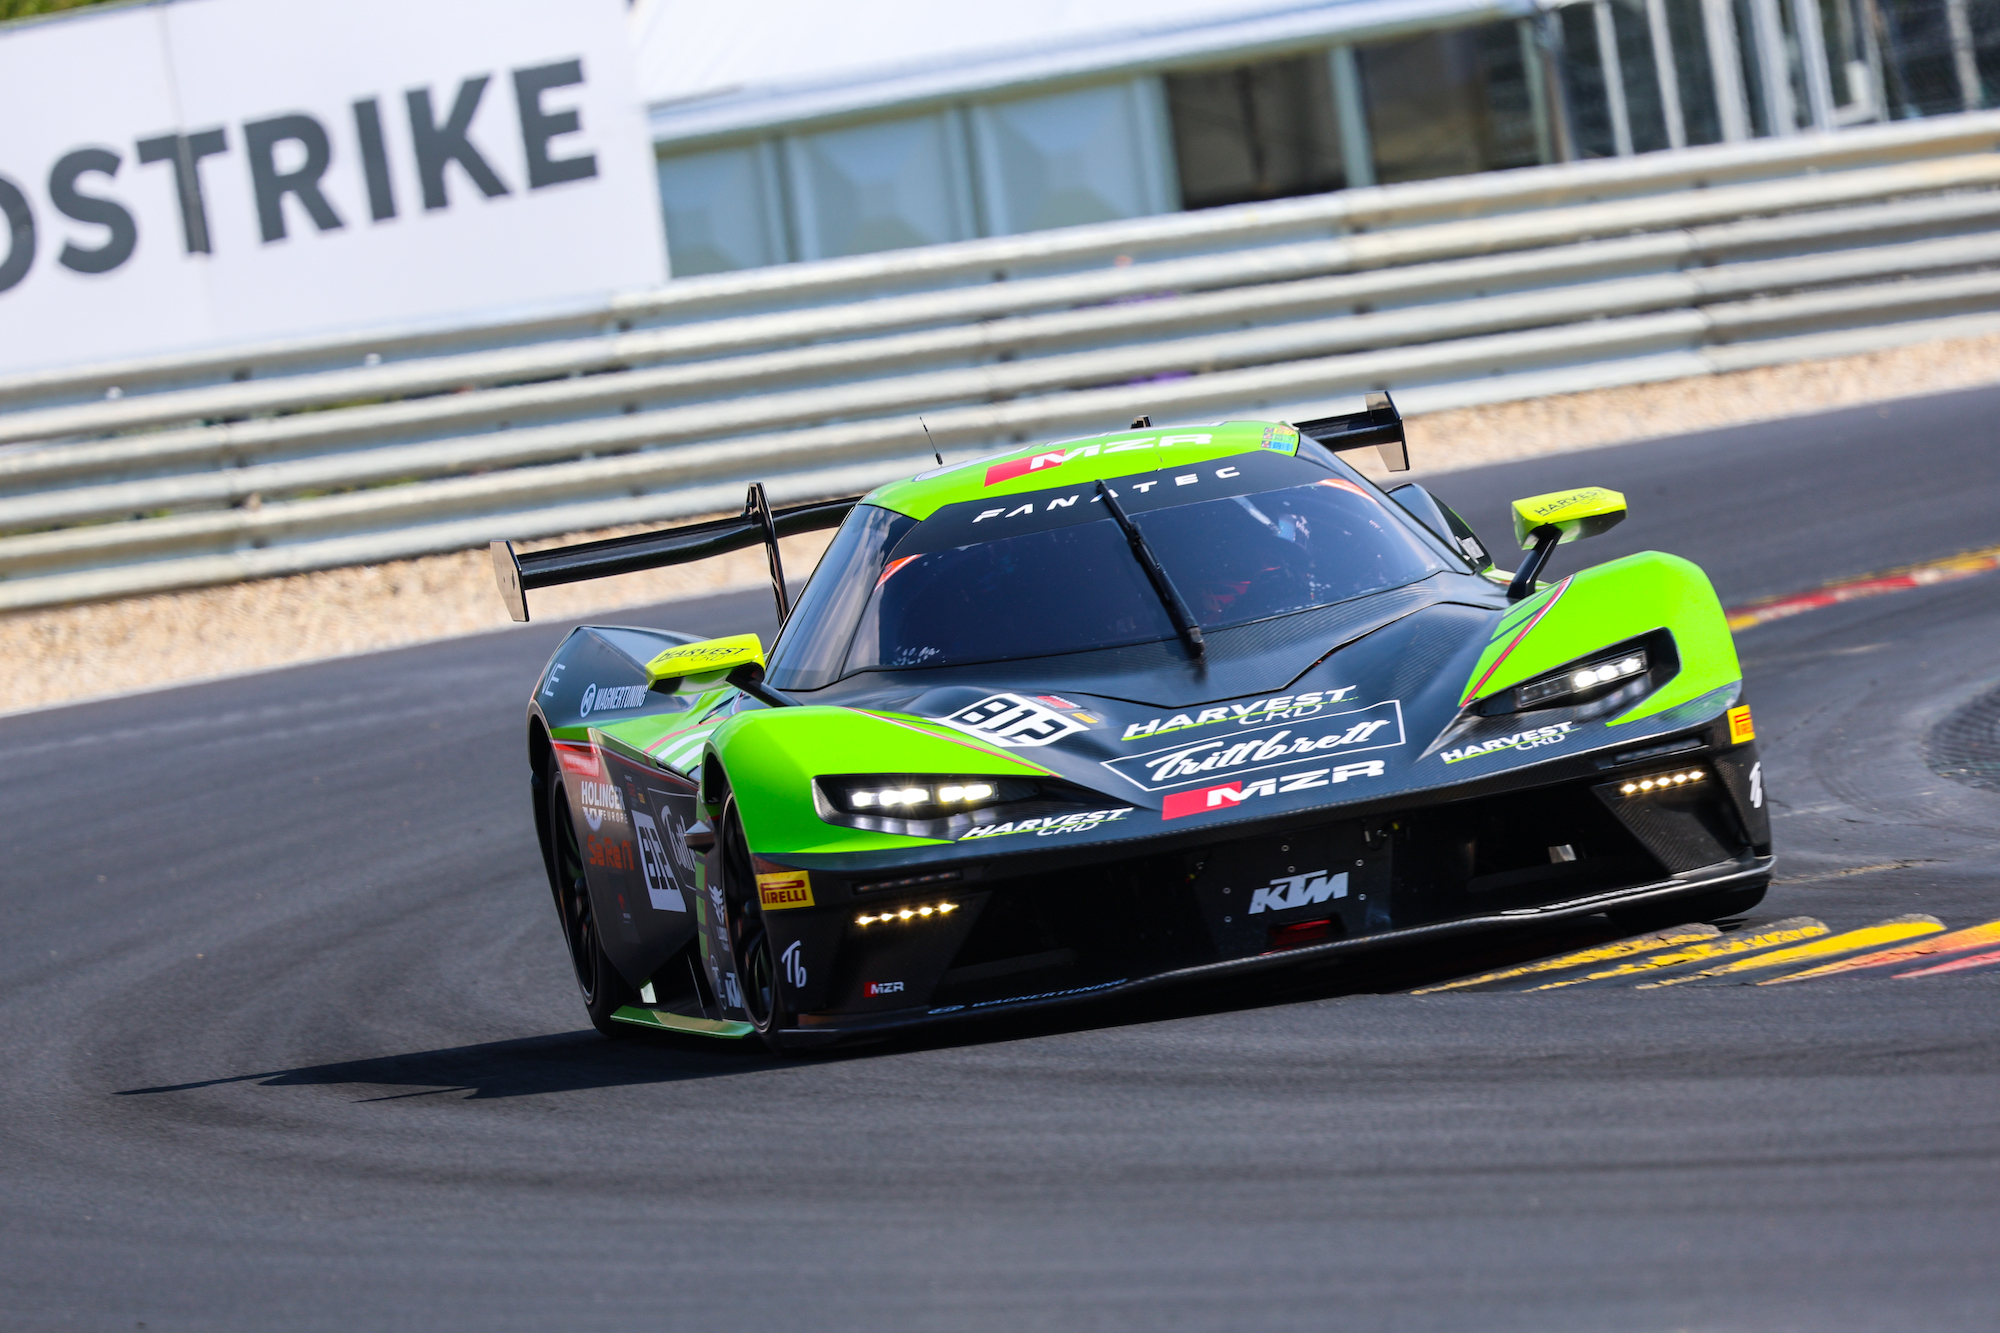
<point>1580,680</point>
<point>1609,679</point>
<point>921,797</point>
<point>942,805</point>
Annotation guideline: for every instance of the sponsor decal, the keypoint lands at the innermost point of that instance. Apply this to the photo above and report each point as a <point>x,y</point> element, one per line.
<point>883,988</point>
<point>1293,707</point>
<point>1289,891</point>
<point>1010,721</point>
<point>1027,507</point>
<point>1021,467</point>
<point>795,967</point>
<point>610,698</point>
<point>580,760</point>
<point>662,886</point>
<point>600,802</point>
<point>1376,727</point>
<point>1553,734</point>
<point>607,852</point>
<point>1741,728</point>
<point>1233,794</point>
<point>1281,439</point>
<point>1080,822</point>
<point>732,990</point>
<point>784,888</point>
<point>555,679</point>
<point>1757,785</point>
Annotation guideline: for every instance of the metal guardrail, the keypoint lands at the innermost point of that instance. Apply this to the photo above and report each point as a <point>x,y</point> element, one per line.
<point>812,376</point>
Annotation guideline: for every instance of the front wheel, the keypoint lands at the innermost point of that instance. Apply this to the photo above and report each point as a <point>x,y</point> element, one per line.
<point>604,991</point>
<point>750,945</point>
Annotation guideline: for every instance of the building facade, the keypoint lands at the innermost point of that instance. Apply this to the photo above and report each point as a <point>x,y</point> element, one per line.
<point>788,131</point>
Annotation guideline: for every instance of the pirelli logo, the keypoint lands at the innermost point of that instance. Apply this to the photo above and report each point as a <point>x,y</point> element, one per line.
<point>785,888</point>
<point>1741,728</point>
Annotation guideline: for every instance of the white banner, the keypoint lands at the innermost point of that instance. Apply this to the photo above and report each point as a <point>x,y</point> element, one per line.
<point>227,171</point>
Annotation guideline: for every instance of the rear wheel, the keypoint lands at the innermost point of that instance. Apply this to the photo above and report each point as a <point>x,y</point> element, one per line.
<point>750,943</point>
<point>604,991</point>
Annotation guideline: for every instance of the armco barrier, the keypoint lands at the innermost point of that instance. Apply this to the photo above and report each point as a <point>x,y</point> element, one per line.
<point>813,376</point>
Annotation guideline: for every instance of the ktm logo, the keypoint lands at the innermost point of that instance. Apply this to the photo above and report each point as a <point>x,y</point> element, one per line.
<point>1289,891</point>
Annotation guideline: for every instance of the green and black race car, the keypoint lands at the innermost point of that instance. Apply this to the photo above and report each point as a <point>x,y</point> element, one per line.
<point>1116,712</point>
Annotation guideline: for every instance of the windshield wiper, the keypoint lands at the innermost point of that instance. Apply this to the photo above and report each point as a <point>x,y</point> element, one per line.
<point>1170,597</point>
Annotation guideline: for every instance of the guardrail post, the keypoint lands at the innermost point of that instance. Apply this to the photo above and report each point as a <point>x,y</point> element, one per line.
<point>1774,75</point>
<point>1725,66</point>
<point>1666,73</point>
<point>1614,76</point>
<point>1958,17</point>
<point>1350,114</point>
<point>1812,58</point>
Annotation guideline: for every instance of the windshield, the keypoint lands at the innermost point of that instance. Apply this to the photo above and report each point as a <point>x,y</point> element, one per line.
<point>1077,586</point>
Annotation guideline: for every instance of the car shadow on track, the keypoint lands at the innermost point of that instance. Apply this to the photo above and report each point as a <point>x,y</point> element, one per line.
<point>579,1061</point>
<point>521,1067</point>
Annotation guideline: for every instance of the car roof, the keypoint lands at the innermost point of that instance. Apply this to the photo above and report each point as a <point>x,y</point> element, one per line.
<point>1069,462</point>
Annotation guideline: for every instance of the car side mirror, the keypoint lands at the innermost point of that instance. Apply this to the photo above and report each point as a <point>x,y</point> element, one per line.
<point>695,668</point>
<point>1543,522</point>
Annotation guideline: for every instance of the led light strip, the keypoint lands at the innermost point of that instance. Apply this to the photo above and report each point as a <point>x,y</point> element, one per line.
<point>905,914</point>
<point>1663,782</point>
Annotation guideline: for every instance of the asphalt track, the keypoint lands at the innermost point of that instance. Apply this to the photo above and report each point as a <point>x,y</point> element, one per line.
<point>290,1042</point>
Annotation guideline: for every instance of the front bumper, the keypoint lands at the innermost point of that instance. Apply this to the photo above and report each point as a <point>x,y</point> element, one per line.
<point>1316,885</point>
<point>1748,871</point>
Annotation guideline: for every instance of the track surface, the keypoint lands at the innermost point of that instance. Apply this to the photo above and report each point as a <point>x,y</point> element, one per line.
<point>291,1043</point>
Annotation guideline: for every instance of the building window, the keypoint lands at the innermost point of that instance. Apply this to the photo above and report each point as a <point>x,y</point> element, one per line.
<point>1260,131</point>
<point>1449,104</point>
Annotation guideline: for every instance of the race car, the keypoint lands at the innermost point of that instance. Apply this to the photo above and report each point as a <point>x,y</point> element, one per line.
<point>1118,712</point>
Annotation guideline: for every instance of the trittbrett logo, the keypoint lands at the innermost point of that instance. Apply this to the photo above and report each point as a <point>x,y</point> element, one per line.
<point>1377,727</point>
<point>1553,734</point>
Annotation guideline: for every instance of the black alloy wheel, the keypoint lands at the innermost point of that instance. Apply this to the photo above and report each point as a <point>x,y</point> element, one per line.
<point>604,991</point>
<point>749,934</point>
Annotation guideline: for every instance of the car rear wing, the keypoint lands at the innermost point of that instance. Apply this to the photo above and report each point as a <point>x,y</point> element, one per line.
<point>1380,425</point>
<point>519,572</point>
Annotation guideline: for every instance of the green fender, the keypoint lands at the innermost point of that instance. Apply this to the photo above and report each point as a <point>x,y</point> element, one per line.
<point>771,755</point>
<point>1609,604</point>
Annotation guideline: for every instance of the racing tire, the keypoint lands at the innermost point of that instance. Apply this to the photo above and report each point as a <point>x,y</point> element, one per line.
<point>604,991</point>
<point>750,944</point>
<point>1714,907</point>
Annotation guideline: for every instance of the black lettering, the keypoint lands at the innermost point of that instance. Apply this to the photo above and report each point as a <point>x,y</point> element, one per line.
<point>539,126</point>
<point>186,151</point>
<point>374,160</point>
<point>21,233</point>
<point>260,140</point>
<point>105,213</point>
<point>438,145</point>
